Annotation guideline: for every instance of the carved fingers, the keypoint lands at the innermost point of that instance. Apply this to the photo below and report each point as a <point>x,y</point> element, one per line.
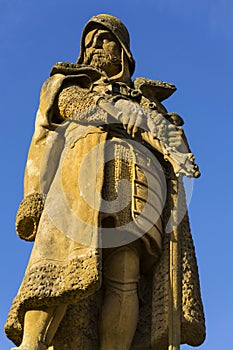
<point>132,117</point>
<point>174,136</point>
<point>162,128</point>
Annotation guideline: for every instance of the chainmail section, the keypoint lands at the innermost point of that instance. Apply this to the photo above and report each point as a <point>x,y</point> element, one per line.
<point>28,216</point>
<point>79,104</point>
<point>117,169</point>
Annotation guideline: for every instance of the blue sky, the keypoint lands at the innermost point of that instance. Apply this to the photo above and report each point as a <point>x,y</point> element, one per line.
<point>185,42</point>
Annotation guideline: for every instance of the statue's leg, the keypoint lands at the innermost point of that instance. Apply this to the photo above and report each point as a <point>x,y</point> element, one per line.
<point>120,309</point>
<point>40,327</point>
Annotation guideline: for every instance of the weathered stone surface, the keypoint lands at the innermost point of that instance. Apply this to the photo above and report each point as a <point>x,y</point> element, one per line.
<point>113,263</point>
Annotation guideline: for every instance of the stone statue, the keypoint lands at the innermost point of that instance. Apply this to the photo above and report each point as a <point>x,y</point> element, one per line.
<point>113,264</point>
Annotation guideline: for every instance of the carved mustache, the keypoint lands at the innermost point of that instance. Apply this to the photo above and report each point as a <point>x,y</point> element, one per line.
<point>102,55</point>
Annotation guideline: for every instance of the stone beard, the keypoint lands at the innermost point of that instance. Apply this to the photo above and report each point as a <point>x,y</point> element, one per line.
<point>99,59</point>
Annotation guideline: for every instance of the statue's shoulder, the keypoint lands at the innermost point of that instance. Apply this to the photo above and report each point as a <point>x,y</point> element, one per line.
<point>69,68</point>
<point>151,89</point>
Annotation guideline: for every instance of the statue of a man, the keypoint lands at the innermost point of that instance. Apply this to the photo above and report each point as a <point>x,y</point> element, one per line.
<point>99,201</point>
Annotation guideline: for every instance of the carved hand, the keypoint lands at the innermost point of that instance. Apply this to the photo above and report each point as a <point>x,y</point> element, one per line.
<point>174,136</point>
<point>164,129</point>
<point>133,117</point>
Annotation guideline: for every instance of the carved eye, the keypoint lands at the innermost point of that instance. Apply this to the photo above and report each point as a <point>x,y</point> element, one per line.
<point>106,37</point>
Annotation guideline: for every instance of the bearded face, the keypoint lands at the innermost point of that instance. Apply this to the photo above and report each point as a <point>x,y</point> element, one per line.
<point>100,58</point>
<point>102,50</point>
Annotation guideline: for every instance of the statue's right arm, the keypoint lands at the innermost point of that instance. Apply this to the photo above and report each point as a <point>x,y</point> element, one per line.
<point>47,141</point>
<point>59,99</point>
<point>43,157</point>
